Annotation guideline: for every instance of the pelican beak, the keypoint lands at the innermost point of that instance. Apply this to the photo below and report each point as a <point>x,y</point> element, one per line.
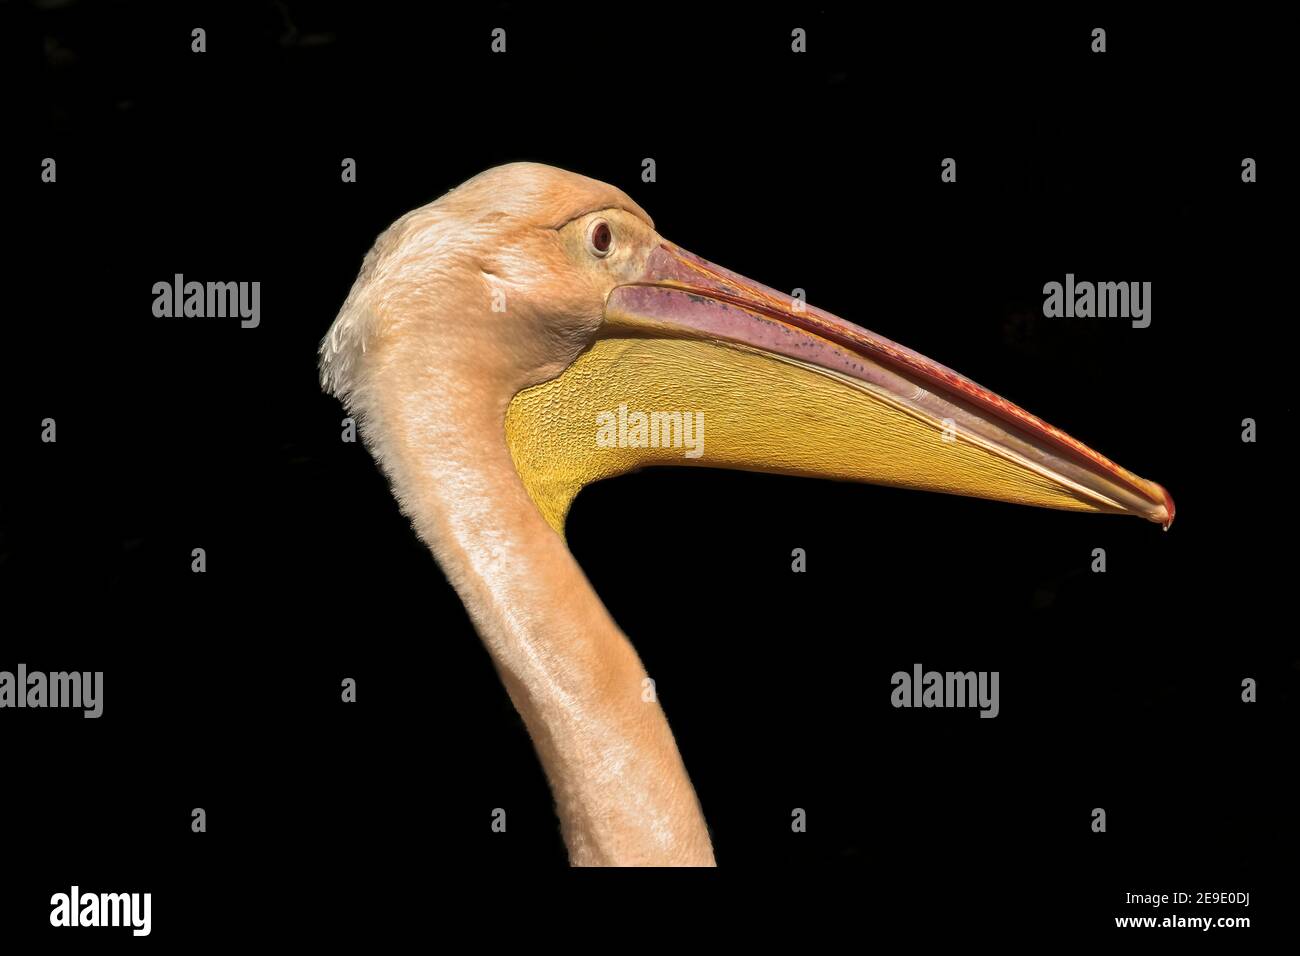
<point>698,365</point>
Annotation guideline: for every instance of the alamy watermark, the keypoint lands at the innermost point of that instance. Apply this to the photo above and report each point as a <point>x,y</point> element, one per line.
<point>75,908</point>
<point>74,689</point>
<point>948,689</point>
<point>1099,300</point>
<point>208,300</point>
<point>636,429</point>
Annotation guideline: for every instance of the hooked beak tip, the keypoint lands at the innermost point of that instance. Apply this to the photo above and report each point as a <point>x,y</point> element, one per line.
<point>1169,507</point>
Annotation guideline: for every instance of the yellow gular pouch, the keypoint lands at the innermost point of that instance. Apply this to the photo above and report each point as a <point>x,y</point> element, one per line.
<point>761,412</point>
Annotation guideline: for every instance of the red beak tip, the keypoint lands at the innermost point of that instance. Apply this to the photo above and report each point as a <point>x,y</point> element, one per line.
<point>1169,507</point>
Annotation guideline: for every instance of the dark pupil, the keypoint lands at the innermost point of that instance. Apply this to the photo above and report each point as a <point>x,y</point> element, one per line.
<point>600,238</point>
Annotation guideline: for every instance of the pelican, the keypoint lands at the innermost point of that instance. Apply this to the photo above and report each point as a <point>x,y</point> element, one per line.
<point>491,332</point>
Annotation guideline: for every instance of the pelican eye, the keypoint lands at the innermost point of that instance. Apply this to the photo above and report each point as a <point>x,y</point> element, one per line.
<point>600,238</point>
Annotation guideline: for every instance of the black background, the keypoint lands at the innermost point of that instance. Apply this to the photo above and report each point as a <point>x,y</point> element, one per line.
<point>1118,690</point>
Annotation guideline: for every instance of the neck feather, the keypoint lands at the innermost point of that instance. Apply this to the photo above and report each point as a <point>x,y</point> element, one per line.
<point>621,790</point>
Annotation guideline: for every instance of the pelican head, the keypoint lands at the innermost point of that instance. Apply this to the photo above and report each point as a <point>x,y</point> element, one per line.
<point>497,339</point>
<point>553,297</point>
